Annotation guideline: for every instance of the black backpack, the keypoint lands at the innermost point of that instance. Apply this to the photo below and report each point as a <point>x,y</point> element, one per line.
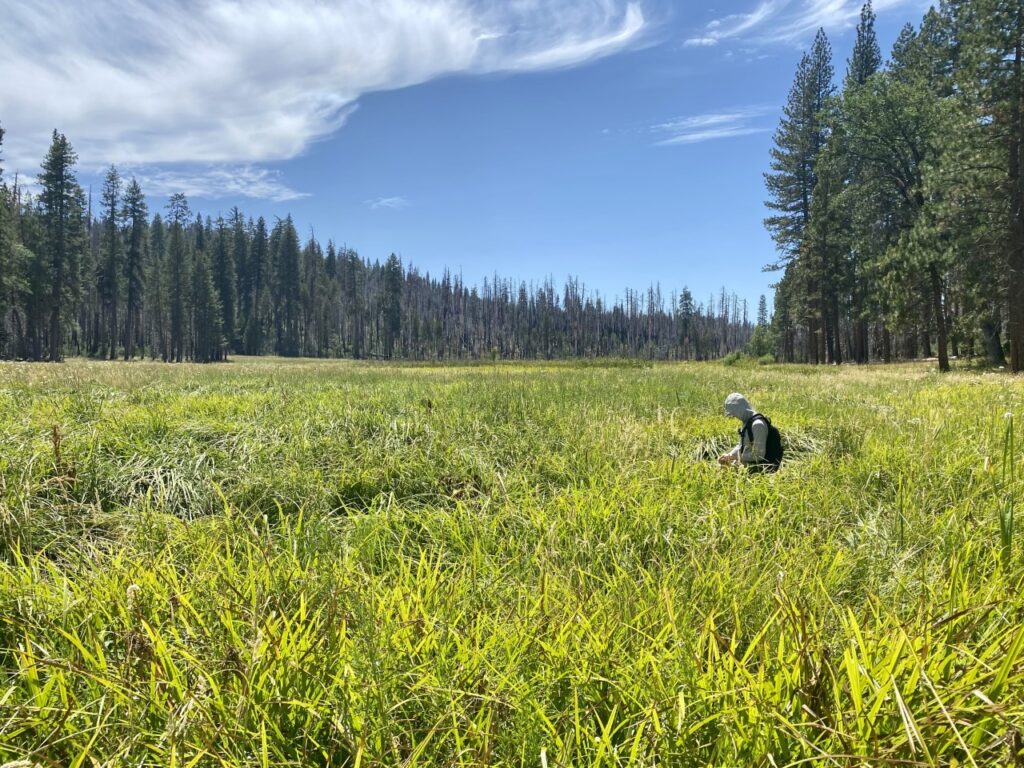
<point>772,447</point>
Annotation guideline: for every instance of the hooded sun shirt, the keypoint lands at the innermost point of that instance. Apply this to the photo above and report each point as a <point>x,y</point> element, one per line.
<point>748,452</point>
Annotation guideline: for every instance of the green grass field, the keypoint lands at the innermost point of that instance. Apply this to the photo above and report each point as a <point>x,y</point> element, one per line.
<point>272,563</point>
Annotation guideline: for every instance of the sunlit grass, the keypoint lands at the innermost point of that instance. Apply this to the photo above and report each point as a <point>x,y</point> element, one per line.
<point>307,563</point>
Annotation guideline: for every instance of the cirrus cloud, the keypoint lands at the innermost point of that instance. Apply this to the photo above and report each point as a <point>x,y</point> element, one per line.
<point>235,83</point>
<point>787,21</point>
<point>396,203</point>
<point>216,182</point>
<point>696,129</point>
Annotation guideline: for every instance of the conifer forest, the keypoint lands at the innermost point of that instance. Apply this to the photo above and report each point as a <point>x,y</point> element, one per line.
<point>177,287</point>
<point>898,197</point>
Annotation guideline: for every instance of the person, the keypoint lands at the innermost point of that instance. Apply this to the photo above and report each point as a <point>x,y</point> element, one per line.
<point>752,451</point>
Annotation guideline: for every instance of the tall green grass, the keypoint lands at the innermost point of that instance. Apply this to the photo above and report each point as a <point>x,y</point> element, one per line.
<point>298,563</point>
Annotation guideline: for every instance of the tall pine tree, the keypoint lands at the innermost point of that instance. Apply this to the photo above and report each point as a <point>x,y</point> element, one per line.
<point>799,141</point>
<point>864,63</point>
<point>224,278</point>
<point>178,267</point>
<point>287,259</point>
<point>134,213</point>
<point>109,273</point>
<point>62,212</point>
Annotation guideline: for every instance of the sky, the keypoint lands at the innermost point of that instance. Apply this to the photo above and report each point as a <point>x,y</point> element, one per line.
<point>620,141</point>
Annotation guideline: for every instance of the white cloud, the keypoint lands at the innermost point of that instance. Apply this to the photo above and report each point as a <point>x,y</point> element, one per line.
<point>394,203</point>
<point>238,82</point>
<point>723,132</point>
<point>701,42</point>
<point>215,183</point>
<point>788,21</point>
<point>580,46</point>
<point>737,24</point>
<point>709,127</point>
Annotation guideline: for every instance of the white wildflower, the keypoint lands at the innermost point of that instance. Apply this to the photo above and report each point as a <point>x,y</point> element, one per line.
<point>132,596</point>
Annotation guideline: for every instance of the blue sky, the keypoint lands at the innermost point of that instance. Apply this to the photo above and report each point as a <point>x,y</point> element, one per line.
<point>620,141</point>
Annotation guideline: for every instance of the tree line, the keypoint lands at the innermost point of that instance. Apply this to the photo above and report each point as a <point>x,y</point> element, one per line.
<point>180,287</point>
<point>897,198</point>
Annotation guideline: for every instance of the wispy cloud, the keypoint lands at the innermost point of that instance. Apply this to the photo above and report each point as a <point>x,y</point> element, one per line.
<point>701,42</point>
<point>581,45</point>
<point>393,203</point>
<point>236,83</point>
<point>737,24</point>
<point>696,129</point>
<point>787,21</point>
<point>216,183</point>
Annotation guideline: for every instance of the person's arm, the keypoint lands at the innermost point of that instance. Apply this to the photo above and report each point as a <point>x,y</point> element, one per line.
<point>755,452</point>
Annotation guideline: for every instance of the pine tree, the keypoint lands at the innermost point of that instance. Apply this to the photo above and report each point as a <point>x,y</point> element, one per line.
<point>207,336</point>
<point>134,214</point>
<point>240,257</point>
<point>258,293</point>
<point>827,243</point>
<point>177,271</point>
<point>156,282</point>
<point>687,310</point>
<point>91,321</point>
<point>333,309</point>
<point>110,269</point>
<point>864,63</point>
<point>799,141</point>
<point>898,119</point>
<point>392,304</point>
<point>801,136</point>
<point>867,56</point>
<point>312,298</point>
<point>224,279</point>
<point>286,258</point>
<point>62,211</point>
<point>355,302</point>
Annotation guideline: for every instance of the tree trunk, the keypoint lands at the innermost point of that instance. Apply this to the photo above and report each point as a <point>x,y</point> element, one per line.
<point>837,345</point>
<point>129,335</point>
<point>940,316</point>
<point>910,345</point>
<point>990,332</point>
<point>113,331</point>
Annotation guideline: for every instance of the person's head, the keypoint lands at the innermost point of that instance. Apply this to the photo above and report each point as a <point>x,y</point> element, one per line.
<point>736,405</point>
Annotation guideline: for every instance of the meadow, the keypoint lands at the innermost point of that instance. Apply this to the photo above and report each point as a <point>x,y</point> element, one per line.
<point>296,563</point>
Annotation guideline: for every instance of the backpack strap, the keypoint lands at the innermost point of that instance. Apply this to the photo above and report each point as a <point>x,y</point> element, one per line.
<point>748,425</point>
